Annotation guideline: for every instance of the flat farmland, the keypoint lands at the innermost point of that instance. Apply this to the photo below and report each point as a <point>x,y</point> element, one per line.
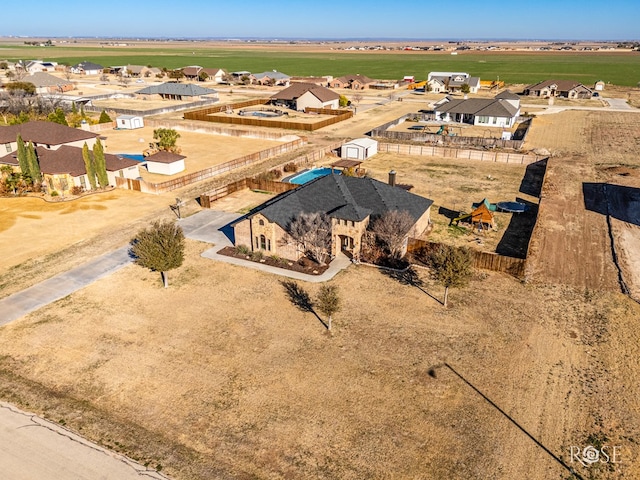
<point>618,68</point>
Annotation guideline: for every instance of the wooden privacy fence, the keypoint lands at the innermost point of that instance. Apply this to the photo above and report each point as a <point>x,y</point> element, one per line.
<point>200,175</point>
<point>207,198</point>
<point>207,115</point>
<point>466,154</point>
<point>482,260</point>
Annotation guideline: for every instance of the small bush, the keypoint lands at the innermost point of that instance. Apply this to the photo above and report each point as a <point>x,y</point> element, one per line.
<point>54,193</point>
<point>243,250</point>
<point>76,190</point>
<point>290,167</point>
<point>257,255</point>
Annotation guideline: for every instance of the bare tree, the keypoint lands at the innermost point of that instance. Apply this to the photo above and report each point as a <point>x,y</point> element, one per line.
<point>68,75</point>
<point>312,231</point>
<point>391,229</point>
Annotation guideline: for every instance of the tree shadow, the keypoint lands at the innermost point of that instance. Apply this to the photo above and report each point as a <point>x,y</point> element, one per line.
<point>300,298</point>
<point>409,276</point>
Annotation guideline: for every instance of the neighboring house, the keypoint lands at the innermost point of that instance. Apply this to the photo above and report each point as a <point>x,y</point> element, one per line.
<point>46,134</point>
<point>271,78</point>
<point>558,88</point>
<point>129,122</point>
<point>191,72</point>
<point>359,149</point>
<point>87,68</point>
<point>215,75</point>
<point>47,83</point>
<point>140,71</point>
<point>322,81</point>
<point>37,66</point>
<point>452,82</point>
<point>64,168</point>
<point>299,96</point>
<point>496,112</point>
<point>354,82</point>
<point>179,91</point>
<point>351,203</point>
<point>165,163</point>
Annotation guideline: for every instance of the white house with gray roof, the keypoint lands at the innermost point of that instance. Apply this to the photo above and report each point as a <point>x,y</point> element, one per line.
<point>490,112</point>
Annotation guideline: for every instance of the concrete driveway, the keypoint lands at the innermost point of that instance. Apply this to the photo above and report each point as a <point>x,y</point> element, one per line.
<point>34,448</point>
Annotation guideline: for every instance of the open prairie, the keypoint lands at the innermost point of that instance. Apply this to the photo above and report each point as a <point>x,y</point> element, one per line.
<point>511,66</point>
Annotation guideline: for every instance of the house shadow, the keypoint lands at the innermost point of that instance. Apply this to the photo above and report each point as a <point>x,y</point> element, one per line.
<point>533,179</point>
<point>515,241</point>
<point>618,201</point>
<point>229,231</point>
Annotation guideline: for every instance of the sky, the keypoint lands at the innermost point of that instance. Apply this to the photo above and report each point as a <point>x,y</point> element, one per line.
<point>328,19</point>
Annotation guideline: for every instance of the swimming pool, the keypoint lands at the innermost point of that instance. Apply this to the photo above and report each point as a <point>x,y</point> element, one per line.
<point>312,174</point>
<point>133,156</point>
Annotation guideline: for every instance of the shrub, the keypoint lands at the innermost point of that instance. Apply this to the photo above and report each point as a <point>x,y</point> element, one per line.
<point>290,167</point>
<point>54,193</point>
<point>243,250</point>
<point>76,190</point>
<point>257,255</point>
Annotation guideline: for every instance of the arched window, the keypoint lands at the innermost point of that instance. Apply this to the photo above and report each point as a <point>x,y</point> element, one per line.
<point>261,222</point>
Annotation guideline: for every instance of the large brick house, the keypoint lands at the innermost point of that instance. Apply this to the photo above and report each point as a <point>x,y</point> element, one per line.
<point>299,96</point>
<point>350,202</point>
<point>558,88</point>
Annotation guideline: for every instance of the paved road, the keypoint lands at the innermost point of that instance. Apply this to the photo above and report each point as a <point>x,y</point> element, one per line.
<point>35,449</point>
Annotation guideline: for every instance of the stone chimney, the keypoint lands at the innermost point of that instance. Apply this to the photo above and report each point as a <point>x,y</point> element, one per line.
<point>392,178</point>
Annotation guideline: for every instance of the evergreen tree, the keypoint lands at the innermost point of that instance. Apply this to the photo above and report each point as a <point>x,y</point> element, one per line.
<point>34,165</point>
<point>58,116</point>
<point>99,164</point>
<point>104,117</point>
<point>89,166</point>
<point>82,111</point>
<point>328,301</point>
<point>74,109</point>
<point>23,161</point>
<point>159,248</point>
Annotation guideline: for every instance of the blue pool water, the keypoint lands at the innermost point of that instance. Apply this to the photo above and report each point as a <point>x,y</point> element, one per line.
<point>133,156</point>
<point>312,174</point>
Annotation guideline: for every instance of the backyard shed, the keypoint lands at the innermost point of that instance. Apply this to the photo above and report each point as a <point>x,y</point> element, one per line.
<point>359,149</point>
<point>129,122</point>
<point>165,163</point>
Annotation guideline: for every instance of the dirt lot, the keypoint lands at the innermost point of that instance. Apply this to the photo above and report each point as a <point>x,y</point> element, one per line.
<point>238,383</point>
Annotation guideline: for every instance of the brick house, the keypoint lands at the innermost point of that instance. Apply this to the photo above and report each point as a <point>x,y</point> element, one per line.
<point>558,88</point>
<point>350,202</point>
<point>299,96</point>
<point>354,82</point>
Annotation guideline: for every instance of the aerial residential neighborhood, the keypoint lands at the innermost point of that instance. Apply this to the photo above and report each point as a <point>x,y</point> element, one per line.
<point>328,259</point>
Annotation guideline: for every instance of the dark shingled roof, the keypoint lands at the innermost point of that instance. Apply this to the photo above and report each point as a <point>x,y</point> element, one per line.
<point>346,198</point>
<point>165,157</point>
<point>562,85</point>
<point>181,89</point>
<point>296,90</point>
<point>67,159</point>
<point>507,95</point>
<point>44,133</point>
<point>479,106</point>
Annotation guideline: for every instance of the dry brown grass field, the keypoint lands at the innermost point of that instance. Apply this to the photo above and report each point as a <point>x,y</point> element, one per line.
<point>220,376</point>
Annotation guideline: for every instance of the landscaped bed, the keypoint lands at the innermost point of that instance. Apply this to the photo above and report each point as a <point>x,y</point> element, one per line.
<point>303,265</point>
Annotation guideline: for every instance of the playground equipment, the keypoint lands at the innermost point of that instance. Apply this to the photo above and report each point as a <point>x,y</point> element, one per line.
<point>481,216</point>
<point>417,85</point>
<point>511,207</point>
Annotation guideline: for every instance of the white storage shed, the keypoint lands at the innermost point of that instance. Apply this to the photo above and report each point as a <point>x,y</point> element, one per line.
<point>165,163</point>
<point>129,122</point>
<point>359,149</point>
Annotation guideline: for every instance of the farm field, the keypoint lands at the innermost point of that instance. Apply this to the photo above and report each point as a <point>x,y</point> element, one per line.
<point>618,68</point>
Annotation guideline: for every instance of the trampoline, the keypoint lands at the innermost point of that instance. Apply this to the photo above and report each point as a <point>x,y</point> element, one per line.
<point>511,207</point>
